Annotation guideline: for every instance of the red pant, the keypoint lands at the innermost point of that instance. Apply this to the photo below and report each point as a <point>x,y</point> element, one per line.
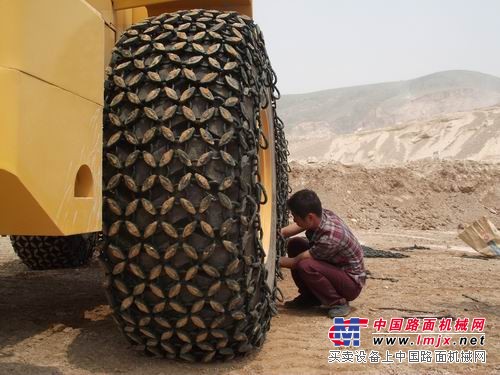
<point>320,281</point>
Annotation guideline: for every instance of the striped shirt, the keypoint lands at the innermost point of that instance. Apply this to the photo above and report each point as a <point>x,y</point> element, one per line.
<point>333,242</point>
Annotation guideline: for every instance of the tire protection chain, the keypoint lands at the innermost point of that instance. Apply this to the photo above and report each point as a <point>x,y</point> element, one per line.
<point>259,83</point>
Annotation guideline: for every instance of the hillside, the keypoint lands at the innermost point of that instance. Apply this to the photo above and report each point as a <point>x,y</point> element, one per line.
<point>473,135</point>
<point>345,110</point>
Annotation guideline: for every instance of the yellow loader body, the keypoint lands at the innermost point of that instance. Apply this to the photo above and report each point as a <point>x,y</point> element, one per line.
<point>52,59</point>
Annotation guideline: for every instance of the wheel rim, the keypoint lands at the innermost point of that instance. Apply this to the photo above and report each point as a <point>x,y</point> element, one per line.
<point>268,214</point>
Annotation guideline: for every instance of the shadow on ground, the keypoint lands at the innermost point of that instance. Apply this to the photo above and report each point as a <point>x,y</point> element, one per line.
<point>32,302</point>
<point>26,369</point>
<point>37,304</point>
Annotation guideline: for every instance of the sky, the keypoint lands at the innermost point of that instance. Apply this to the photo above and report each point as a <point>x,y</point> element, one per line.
<point>322,44</point>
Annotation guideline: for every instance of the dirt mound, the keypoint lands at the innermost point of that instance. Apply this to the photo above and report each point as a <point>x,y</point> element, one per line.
<point>415,195</point>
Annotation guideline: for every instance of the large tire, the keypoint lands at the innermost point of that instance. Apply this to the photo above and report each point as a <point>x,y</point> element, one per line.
<point>49,252</point>
<point>187,275</point>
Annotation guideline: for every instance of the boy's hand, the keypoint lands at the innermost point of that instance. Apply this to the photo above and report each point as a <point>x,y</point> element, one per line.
<point>287,262</point>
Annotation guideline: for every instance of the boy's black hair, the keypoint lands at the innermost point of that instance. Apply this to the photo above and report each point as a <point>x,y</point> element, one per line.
<point>304,202</point>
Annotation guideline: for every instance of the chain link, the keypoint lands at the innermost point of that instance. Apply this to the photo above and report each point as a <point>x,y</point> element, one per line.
<point>282,187</point>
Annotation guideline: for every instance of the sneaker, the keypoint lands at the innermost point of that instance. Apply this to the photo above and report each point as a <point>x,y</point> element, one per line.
<point>338,311</point>
<point>301,302</point>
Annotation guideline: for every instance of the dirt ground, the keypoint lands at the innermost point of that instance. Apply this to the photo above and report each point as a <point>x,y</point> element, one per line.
<point>58,322</point>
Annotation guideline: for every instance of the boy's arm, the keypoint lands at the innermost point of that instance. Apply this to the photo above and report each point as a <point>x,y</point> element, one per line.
<point>291,230</point>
